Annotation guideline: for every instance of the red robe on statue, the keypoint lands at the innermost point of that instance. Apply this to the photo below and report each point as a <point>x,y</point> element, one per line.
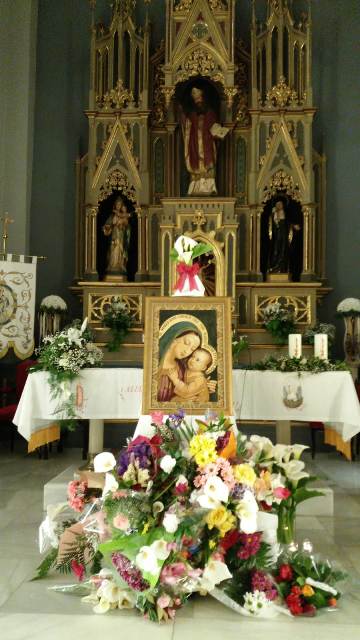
<point>208,120</point>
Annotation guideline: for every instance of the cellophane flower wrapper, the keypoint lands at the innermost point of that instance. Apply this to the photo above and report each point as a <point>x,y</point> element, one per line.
<point>191,509</point>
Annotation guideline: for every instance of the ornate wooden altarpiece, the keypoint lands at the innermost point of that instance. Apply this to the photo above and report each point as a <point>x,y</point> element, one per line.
<point>263,97</point>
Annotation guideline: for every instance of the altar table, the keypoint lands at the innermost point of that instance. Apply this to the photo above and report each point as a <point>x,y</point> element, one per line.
<point>116,393</point>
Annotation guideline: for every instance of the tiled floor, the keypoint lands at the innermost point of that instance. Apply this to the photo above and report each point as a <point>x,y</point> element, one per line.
<point>30,610</point>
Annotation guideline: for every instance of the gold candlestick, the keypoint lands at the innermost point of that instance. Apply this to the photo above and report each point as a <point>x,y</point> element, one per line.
<point>5,221</point>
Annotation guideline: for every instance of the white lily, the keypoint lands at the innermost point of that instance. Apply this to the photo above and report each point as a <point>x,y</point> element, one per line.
<point>111,484</point>
<point>84,325</point>
<point>246,511</point>
<point>74,335</point>
<point>214,573</point>
<point>167,463</point>
<point>104,462</point>
<point>294,470</point>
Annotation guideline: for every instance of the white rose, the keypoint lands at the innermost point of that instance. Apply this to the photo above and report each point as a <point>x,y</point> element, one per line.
<point>104,462</point>
<point>167,463</point>
<point>171,522</point>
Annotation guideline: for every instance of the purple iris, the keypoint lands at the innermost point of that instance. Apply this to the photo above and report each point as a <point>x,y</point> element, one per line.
<point>140,452</point>
<point>177,418</point>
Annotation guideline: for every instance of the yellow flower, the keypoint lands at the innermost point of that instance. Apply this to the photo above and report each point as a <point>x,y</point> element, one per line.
<point>212,544</point>
<point>221,519</point>
<point>244,474</point>
<point>307,591</point>
<point>203,449</point>
<point>145,528</point>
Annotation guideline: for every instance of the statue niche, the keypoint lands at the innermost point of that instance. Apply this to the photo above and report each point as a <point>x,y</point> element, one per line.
<point>117,239</point>
<point>281,239</point>
<point>198,113</point>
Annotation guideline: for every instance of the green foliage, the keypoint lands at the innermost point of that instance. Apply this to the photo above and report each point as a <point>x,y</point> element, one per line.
<point>82,550</point>
<point>45,566</point>
<point>310,365</point>
<point>119,321</point>
<point>280,329</point>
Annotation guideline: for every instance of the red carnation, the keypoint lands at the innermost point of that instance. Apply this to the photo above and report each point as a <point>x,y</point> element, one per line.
<point>229,540</point>
<point>285,573</point>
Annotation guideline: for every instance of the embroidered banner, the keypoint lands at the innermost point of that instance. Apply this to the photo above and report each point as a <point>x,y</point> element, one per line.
<point>17,305</point>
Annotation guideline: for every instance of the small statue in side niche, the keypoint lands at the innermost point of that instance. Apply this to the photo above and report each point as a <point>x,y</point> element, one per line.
<point>117,226</point>
<point>281,234</point>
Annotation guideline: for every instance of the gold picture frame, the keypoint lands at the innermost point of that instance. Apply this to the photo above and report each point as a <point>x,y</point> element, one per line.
<point>187,355</point>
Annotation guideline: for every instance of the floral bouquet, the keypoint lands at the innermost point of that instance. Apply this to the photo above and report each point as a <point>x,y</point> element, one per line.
<point>118,320</point>
<point>279,321</point>
<point>349,307</point>
<point>185,251</point>
<point>320,327</point>
<point>184,512</point>
<point>312,364</point>
<point>63,355</point>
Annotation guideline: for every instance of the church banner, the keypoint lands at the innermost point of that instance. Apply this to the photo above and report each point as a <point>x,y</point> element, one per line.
<point>17,305</point>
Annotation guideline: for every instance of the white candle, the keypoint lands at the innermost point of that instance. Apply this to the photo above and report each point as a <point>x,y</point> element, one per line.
<point>295,345</point>
<point>321,346</point>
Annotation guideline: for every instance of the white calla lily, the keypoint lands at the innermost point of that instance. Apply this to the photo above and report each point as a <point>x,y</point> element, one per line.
<point>171,522</point>
<point>111,484</point>
<point>104,462</point>
<point>146,560</point>
<point>160,549</point>
<point>84,325</point>
<point>214,573</point>
<point>126,599</point>
<point>216,489</point>
<point>246,511</point>
<point>298,449</point>
<point>294,470</point>
<point>184,247</point>
<point>103,606</point>
<point>167,463</point>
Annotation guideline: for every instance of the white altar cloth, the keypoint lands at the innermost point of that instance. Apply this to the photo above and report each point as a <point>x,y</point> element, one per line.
<point>116,393</point>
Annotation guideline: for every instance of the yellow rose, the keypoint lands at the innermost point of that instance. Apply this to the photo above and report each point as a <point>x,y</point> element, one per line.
<point>307,591</point>
<point>244,474</point>
<point>221,519</point>
<point>216,517</point>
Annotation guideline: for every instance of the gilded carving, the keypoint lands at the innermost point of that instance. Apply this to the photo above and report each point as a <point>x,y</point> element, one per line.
<point>199,63</point>
<point>230,93</point>
<point>282,181</point>
<point>117,181</point>
<point>116,98</point>
<point>281,95</point>
<point>300,305</point>
<point>98,305</point>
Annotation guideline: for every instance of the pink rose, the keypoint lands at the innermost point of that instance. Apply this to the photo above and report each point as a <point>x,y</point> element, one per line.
<point>172,572</point>
<point>157,417</point>
<point>121,522</point>
<point>163,601</point>
<point>282,493</point>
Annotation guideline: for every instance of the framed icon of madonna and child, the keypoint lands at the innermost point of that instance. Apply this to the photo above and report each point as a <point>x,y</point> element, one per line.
<point>187,355</point>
